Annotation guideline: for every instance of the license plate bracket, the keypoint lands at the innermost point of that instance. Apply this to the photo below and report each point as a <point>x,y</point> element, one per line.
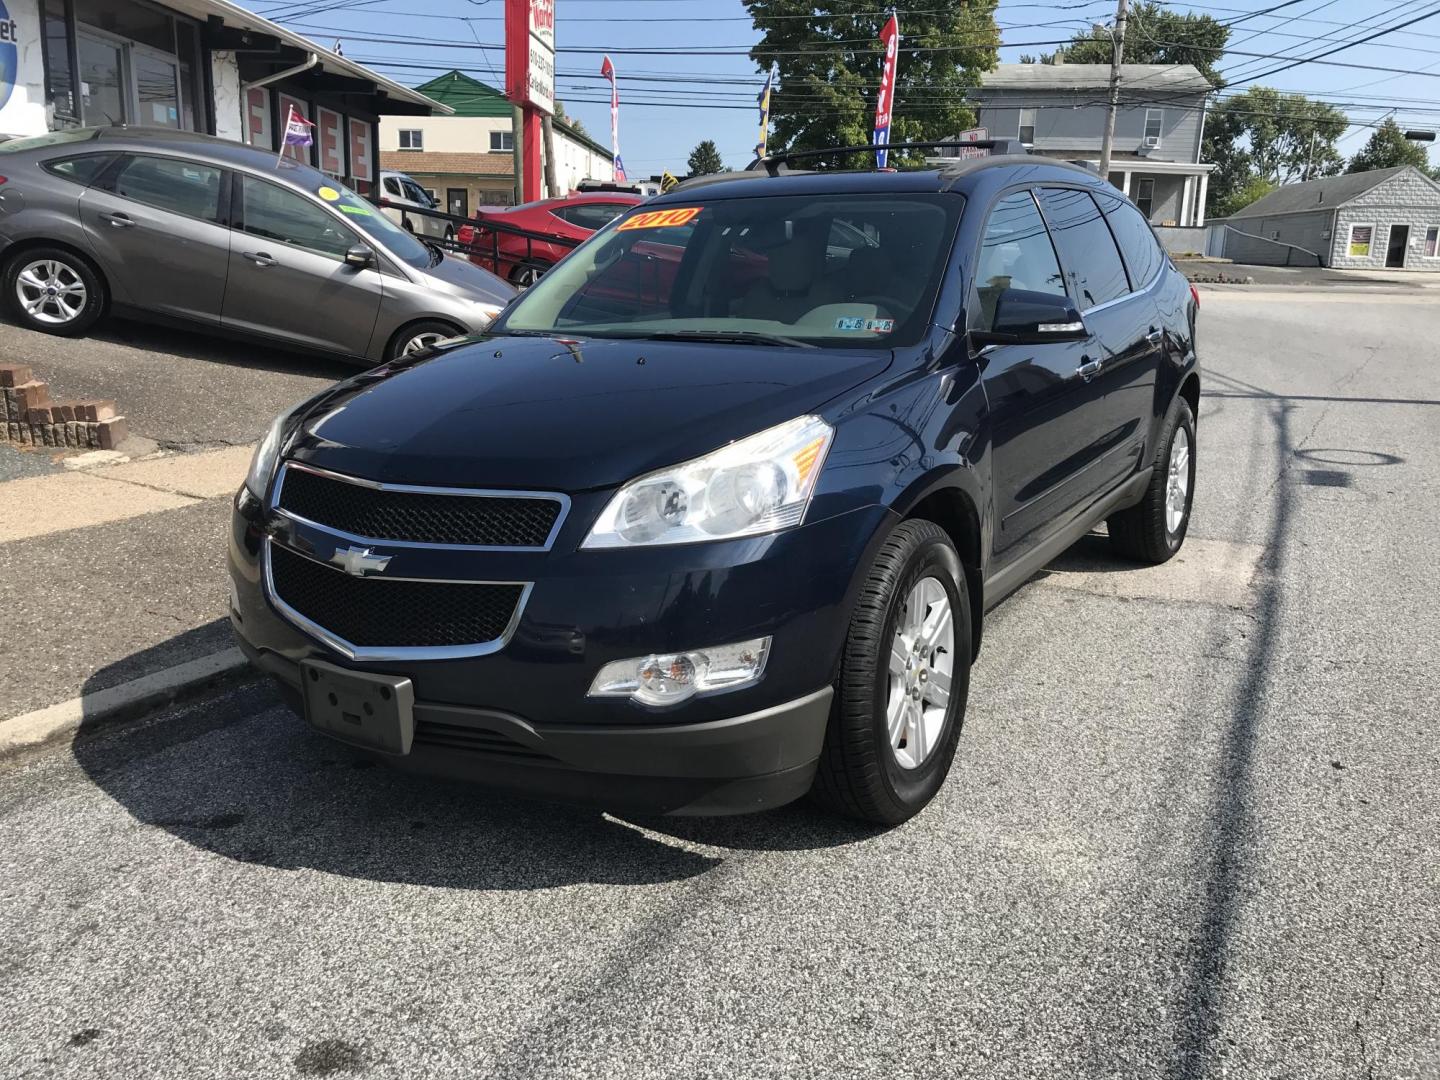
<point>373,711</point>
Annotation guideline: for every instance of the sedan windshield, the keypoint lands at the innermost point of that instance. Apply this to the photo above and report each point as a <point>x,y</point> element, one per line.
<point>843,271</point>
<point>366,217</point>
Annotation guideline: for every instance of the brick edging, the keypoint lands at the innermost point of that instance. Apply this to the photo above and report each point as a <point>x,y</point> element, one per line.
<point>30,418</point>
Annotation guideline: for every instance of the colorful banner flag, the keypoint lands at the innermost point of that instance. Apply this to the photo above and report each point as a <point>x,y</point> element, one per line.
<point>764,102</point>
<point>297,133</point>
<point>890,39</point>
<point>607,70</point>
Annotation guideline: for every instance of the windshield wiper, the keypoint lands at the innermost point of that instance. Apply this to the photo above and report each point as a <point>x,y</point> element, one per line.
<point>741,337</point>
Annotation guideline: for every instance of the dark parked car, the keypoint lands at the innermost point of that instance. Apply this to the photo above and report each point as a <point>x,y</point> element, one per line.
<point>211,234</point>
<point>712,547</point>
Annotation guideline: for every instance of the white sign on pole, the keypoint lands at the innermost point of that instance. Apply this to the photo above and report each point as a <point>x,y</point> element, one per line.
<point>541,85</point>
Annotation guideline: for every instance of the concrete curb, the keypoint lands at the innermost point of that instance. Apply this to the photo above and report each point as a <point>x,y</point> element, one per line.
<point>123,702</point>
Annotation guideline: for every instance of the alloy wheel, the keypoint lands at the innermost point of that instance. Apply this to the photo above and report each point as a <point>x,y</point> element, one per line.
<point>51,291</point>
<point>922,657</point>
<point>1177,487</point>
<point>422,341</point>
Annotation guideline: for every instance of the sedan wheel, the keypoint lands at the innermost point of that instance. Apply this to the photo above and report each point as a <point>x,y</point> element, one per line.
<point>422,341</point>
<point>51,292</point>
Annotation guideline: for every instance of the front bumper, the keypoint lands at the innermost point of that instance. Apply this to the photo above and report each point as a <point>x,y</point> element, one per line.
<point>520,718</point>
<point>738,765</point>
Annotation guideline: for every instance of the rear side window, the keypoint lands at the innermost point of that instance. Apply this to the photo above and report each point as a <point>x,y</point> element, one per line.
<point>182,187</point>
<point>1015,253</point>
<point>1092,262</point>
<point>83,170</point>
<point>1137,243</point>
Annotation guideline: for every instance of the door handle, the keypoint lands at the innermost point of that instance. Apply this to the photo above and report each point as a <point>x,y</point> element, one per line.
<point>1088,369</point>
<point>1155,335</point>
<point>119,221</point>
<point>259,258</point>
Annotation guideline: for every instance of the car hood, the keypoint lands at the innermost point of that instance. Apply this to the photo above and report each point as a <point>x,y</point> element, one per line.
<point>465,278</point>
<point>541,414</point>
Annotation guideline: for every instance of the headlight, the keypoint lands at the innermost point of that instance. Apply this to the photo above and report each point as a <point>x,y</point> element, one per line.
<point>262,465</point>
<point>670,678</point>
<point>487,311</point>
<point>757,485</point>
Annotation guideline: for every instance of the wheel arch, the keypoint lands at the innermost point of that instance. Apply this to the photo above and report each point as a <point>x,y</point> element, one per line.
<point>954,510</point>
<point>1190,391</point>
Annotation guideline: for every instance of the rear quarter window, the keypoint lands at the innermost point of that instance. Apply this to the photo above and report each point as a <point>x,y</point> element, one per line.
<point>83,169</point>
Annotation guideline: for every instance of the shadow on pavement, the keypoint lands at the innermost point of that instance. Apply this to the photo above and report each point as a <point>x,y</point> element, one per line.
<point>237,774</point>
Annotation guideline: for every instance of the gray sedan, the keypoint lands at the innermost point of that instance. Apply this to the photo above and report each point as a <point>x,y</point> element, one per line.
<point>213,234</point>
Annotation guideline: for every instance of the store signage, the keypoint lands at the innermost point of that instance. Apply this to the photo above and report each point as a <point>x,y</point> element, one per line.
<point>10,55</point>
<point>530,53</point>
<point>328,126</point>
<point>361,136</point>
<point>257,117</point>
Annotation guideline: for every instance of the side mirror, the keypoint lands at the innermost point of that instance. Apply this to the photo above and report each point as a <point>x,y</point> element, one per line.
<point>360,257</point>
<point>1031,318</point>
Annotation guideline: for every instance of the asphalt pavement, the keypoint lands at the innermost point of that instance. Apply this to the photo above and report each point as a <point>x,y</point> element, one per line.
<point>1190,831</point>
<point>182,389</point>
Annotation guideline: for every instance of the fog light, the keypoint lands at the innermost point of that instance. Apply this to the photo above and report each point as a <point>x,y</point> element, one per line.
<point>669,678</point>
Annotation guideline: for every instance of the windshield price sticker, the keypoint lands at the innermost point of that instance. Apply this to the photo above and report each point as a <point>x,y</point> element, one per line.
<point>660,219</point>
<point>329,194</point>
<point>358,211</point>
<point>875,326</point>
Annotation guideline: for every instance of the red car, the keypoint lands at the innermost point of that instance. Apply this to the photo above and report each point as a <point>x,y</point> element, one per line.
<point>522,260</point>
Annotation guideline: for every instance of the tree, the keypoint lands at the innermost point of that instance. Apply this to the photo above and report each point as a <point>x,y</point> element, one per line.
<point>705,158</point>
<point>1153,35</point>
<point>1257,187</point>
<point>1388,147</point>
<point>1277,137</point>
<point>830,69</point>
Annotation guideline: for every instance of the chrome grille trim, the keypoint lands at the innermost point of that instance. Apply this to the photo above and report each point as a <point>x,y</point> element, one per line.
<point>379,653</point>
<point>416,489</point>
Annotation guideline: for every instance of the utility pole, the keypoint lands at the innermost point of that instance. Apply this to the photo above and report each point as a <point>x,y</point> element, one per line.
<point>1119,38</point>
<point>547,126</point>
<point>1310,157</point>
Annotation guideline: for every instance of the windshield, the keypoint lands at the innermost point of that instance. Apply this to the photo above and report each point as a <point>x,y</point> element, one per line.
<point>844,270</point>
<point>366,217</point>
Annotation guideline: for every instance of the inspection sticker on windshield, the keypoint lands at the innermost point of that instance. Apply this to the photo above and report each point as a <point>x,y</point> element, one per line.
<point>875,326</point>
<point>660,219</point>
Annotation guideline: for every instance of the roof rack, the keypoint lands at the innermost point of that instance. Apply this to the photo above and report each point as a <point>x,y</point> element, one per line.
<point>994,147</point>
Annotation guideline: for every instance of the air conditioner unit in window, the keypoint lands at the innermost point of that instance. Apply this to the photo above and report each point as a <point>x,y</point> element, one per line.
<point>1152,142</point>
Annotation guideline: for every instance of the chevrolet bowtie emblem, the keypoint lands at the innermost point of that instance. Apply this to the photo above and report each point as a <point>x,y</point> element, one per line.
<point>359,561</point>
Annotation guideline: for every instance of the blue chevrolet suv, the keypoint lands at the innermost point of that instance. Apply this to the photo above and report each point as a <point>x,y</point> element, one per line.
<point>711,516</point>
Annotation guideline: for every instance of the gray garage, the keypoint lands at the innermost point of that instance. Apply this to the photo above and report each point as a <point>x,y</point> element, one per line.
<point>1370,220</point>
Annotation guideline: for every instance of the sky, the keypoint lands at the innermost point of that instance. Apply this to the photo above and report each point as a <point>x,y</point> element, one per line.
<point>707,90</point>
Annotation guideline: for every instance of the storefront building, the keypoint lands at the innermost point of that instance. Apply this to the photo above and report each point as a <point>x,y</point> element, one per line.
<point>196,65</point>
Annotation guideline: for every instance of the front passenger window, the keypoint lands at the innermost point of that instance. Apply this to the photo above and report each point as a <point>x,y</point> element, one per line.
<point>277,214</point>
<point>1015,253</point>
<point>1085,243</point>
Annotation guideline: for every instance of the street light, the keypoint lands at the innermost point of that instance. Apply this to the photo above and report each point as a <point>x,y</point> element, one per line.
<point>1420,136</point>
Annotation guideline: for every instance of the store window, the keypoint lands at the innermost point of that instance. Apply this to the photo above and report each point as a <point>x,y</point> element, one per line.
<point>130,63</point>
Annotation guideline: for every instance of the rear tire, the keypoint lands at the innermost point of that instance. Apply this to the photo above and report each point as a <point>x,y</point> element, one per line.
<point>419,336</point>
<point>883,760</point>
<point>1153,530</point>
<point>527,274</point>
<point>53,290</point>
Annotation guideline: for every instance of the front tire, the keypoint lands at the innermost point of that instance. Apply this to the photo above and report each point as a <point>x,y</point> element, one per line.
<point>1153,530</point>
<point>53,291</point>
<point>417,337</point>
<point>904,675</point>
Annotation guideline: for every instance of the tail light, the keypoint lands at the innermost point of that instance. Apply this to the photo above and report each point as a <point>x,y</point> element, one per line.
<point>1195,294</point>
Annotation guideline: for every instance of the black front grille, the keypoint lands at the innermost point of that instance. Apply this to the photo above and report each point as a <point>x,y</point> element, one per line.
<point>419,517</point>
<point>377,613</point>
